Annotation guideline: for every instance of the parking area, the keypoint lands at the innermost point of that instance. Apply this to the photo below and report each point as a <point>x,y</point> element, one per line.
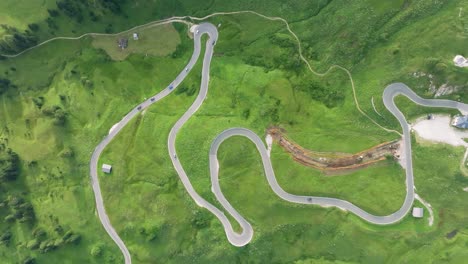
<point>438,129</point>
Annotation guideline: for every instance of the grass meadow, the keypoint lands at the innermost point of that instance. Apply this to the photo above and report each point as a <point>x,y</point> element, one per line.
<point>256,80</point>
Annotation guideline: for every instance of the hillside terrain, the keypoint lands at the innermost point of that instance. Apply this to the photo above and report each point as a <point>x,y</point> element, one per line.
<point>58,100</point>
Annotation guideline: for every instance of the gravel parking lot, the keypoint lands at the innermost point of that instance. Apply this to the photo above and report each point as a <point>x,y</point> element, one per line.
<point>439,129</point>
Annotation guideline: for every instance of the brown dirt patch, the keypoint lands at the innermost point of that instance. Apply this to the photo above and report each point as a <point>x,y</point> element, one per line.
<point>333,162</point>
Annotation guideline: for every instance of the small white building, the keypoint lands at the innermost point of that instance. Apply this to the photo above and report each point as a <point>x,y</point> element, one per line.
<point>460,61</point>
<point>106,168</point>
<point>135,36</point>
<point>418,212</point>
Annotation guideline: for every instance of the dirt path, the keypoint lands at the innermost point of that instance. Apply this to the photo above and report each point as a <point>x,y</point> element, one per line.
<point>428,207</point>
<point>334,162</point>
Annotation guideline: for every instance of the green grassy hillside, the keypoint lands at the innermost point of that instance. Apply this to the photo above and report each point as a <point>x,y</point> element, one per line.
<point>59,100</point>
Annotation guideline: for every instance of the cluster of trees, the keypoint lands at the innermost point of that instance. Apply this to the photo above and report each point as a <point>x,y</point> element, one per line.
<point>96,250</point>
<point>200,219</point>
<point>283,40</point>
<point>246,114</point>
<point>285,55</point>
<point>15,207</point>
<point>435,66</point>
<point>56,112</point>
<point>39,101</point>
<point>260,61</point>
<point>67,152</point>
<point>15,41</point>
<point>76,75</point>
<point>29,260</point>
<point>330,95</point>
<point>19,209</point>
<point>115,6</point>
<point>33,27</point>
<point>5,238</point>
<point>180,50</point>
<point>5,84</point>
<point>271,112</point>
<point>184,89</point>
<point>44,244</point>
<point>71,9</point>
<point>87,82</point>
<point>74,8</point>
<point>9,164</point>
<point>150,233</point>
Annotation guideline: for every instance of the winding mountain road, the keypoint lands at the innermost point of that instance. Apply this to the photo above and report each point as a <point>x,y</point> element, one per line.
<point>390,93</point>
<point>243,238</point>
<point>202,29</point>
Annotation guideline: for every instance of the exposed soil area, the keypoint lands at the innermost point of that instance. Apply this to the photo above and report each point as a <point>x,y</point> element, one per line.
<point>334,162</point>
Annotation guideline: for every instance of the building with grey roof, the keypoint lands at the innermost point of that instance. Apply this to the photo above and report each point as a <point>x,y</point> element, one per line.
<point>460,121</point>
<point>123,43</point>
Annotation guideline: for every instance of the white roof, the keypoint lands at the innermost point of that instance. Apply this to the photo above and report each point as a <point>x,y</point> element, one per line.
<point>106,168</point>
<point>418,212</point>
<point>460,61</point>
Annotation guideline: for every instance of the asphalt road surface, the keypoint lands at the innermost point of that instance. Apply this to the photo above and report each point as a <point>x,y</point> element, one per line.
<point>243,238</point>
<point>203,28</point>
<point>234,238</point>
<point>390,93</point>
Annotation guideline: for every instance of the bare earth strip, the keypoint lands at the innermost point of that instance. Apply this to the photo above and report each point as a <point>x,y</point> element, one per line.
<point>334,162</point>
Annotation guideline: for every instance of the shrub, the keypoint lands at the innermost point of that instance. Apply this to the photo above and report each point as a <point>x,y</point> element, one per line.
<point>47,246</point>
<point>33,244</point>
<point>246,114</point>
<point>9,168</point>
<point>96,250</point>
<point>200,219</point>
<point>74,239</point>
<point>34,27</point>
<point>29,260</point>
<point>67,153</point>
<point>39,101</point>
<point>39,233</point>
<point>10,218</point>
<point>5,84</point>
<point>53,12</point>
<point>5,238</point>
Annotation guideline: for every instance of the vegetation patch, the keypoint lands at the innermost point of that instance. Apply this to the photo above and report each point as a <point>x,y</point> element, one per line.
<point>159,40</point>
<point>61,99</point>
